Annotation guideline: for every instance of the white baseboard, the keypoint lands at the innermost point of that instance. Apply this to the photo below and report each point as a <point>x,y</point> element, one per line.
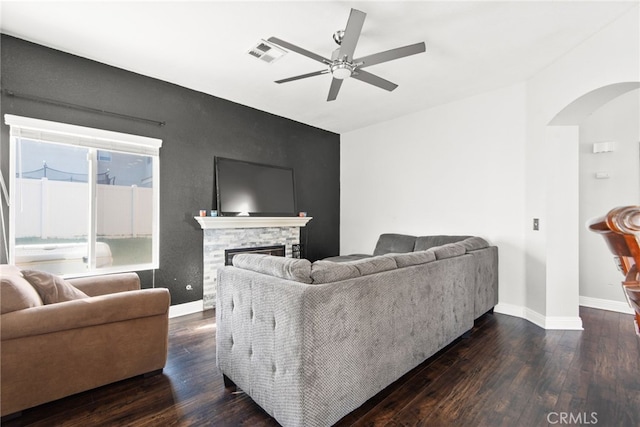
<point>509,309</point>
<point>186,308</point>
<point>606,304</point>
<point>563,323</point>
<point>535,317</point>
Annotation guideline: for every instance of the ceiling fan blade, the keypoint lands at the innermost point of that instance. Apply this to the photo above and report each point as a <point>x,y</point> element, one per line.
<point>372,79</point>
<point>334,89</point>
<point>299,50</point>
<point>352,34</point>
<point>390,55</point>
<point>303,76</point>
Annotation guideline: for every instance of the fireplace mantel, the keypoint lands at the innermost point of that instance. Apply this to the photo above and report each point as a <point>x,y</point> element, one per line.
<point>212,222</point>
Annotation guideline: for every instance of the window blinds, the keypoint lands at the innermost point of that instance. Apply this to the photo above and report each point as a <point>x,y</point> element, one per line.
<point>62,133</point>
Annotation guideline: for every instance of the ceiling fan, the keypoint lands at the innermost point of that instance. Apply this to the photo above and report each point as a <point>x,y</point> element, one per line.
<point>343,65</point>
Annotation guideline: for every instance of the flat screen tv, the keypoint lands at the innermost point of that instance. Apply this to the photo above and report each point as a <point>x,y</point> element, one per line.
<point>247,188</point>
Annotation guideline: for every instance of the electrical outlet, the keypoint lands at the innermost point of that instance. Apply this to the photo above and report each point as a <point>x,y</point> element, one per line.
<point>536,224</point>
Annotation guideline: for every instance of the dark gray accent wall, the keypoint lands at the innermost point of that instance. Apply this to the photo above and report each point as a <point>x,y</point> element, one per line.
<point>198,127</point>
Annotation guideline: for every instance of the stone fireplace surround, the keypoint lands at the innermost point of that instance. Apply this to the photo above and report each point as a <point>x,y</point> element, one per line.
<point>220,233</point>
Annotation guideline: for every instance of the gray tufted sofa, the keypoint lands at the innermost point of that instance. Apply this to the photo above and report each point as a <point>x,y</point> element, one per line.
<point>311,342</point>
<point>486,288</point>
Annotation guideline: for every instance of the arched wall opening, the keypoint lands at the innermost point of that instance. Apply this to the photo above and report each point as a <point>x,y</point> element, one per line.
<point>563,286</point>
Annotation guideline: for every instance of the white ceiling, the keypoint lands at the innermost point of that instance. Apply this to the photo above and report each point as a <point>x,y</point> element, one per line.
<point>472,47</point>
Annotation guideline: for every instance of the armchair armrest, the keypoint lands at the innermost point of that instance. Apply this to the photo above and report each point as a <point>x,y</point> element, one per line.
<point>107,284</point>
<point>85,312</point>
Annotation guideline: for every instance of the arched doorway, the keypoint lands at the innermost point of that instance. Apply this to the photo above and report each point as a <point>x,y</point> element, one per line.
<point>563,285</point>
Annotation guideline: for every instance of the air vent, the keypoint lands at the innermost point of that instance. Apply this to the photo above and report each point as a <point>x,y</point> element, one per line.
<point>267,52</point>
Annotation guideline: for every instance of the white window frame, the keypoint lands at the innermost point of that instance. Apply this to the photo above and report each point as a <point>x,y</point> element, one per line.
<point>92,139</point>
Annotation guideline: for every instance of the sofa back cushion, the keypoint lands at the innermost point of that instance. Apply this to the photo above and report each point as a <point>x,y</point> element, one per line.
<point>474,243</point>
<point>327,271</point>
<point>427,242</point>
<point>376,264</point>
<point>51,288</point>
<point>448,250</point>
<point>394,243</point>
<point>295,269</point>
<point>413,258</point>
<point>15,292</point>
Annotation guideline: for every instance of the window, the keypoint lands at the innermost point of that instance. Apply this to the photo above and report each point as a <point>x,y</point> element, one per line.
<point>83,201</point>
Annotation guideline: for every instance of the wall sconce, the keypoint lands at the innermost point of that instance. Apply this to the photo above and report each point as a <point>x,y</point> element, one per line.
<point>603,147</point>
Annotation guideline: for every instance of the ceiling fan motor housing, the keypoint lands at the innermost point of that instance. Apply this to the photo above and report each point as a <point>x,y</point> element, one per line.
<point>342,69</point>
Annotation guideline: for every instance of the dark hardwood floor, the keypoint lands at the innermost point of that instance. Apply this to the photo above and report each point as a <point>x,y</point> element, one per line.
<point>508,373</point>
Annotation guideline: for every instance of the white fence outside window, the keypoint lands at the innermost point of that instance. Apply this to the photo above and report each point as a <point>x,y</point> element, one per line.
<point>123,210</point>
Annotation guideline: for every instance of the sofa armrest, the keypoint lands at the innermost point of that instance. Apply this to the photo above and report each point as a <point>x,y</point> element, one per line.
<point>260,322</point>
<point>107,284</point>
<point>85,312</point>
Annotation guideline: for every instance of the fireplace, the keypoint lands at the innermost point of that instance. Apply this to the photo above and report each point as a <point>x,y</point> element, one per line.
<point>277,250</point>
<point>222,233</point>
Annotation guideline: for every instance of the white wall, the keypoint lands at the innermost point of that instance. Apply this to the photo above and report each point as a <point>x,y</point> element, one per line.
<point>454,169</point>
<point>610,56</point>
<point>617,121</point>
<point>488,165</point>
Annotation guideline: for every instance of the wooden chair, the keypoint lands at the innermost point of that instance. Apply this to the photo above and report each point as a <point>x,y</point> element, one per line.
<point>621,231</point>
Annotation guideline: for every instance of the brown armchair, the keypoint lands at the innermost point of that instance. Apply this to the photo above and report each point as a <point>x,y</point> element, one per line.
<point>49,351</point>
<point>621,231</point>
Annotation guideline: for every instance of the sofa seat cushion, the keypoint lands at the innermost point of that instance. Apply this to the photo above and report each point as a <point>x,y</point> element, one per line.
<point>427,242</point>
<point>51,288</point>
<point>295,269</point>
<point>324,271</point>
<point>394,243</point>
<point>15,292</point>
<point>413,258</point>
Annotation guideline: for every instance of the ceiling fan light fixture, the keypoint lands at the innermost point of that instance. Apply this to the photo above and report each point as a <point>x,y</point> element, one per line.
<point>342,70</point>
